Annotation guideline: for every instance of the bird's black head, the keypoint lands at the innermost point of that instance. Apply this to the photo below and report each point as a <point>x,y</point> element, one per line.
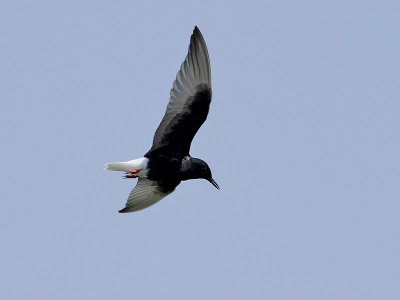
<point>194,168</point>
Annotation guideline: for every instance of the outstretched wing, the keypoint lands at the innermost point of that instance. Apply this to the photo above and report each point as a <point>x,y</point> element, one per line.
<point>146,193</point>
<point>189,102</point>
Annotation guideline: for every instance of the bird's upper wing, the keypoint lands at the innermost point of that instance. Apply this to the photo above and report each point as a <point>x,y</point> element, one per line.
<point>189,102</point>
<point>146,193</point>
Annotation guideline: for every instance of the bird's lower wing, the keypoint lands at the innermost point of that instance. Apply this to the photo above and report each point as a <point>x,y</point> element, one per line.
<point>145,194</point>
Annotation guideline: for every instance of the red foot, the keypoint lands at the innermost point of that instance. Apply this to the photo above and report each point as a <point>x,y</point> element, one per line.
<point>130,174</point>
<point>135,171</point>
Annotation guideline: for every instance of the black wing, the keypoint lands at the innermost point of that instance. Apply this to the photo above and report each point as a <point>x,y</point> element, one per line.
<point>189,102</point>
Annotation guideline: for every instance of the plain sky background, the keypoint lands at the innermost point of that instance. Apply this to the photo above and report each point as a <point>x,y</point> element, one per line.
<point>302,137</point>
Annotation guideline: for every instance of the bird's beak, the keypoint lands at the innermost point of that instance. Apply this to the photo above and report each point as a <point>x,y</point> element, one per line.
<point>212,181</point>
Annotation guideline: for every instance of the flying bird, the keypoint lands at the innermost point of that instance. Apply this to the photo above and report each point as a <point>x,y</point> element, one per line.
<point>168,162</point>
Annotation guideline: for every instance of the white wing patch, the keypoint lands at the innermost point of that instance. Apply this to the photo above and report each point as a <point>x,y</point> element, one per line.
<point>145,194</point>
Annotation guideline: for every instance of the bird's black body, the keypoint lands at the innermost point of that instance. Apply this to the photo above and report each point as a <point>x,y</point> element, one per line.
<point>165,170</point>
<point>169,172</point>
<point>168,160</point>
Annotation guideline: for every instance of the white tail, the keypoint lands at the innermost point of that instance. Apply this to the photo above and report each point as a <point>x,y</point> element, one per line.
<point>140,163</point>
<point>117,166</point>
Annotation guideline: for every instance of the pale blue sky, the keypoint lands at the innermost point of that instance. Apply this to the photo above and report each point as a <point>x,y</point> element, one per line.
<point>302,137</point>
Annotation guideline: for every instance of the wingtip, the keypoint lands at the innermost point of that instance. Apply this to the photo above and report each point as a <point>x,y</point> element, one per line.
<point>127,209</point>
<point>196,31</point>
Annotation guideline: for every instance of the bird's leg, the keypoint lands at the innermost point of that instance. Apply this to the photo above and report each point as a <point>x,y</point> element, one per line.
<point>131,174</point>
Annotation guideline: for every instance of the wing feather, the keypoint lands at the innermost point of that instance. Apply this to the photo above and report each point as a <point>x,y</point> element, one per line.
<point>145,194</point>
<point>189,102</point>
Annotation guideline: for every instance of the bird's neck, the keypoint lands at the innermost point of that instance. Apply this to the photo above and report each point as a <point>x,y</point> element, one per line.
<point>187,168</point>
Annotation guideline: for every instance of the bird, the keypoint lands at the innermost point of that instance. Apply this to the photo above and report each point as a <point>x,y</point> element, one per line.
<point>168,162</point>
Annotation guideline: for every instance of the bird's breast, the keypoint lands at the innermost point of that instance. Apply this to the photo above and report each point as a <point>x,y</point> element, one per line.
<point>163,168</point>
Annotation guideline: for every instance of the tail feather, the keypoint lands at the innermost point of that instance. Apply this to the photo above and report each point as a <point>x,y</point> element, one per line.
<point>118,166</point>
<point>139,163</point>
